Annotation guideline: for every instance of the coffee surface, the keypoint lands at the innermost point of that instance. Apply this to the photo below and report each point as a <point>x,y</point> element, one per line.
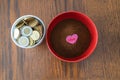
<point>65,28</point>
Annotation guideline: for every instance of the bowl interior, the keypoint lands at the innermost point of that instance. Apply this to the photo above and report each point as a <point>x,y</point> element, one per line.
<point>86,21</point>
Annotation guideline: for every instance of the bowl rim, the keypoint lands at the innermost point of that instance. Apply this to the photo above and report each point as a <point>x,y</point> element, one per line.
<point>88,51</point>
<point>22,17</point>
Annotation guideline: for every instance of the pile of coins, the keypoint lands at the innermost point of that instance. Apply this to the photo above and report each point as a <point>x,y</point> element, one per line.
<point>28,32</point>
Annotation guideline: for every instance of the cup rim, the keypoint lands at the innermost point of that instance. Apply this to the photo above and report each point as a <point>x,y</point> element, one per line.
<point>22,17</point>
<point>90,48</point>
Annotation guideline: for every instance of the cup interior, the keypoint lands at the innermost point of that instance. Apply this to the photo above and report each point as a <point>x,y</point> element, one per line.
<point>21,18</point>
<point>83,19</point>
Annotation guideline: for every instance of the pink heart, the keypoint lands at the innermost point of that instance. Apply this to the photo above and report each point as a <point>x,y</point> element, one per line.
<point>72,38</point>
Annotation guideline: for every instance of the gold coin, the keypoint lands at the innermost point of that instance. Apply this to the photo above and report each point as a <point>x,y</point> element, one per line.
<point>35,35</point>
<point>39,28</point>
<point>33,23</point>
<point>25,22</point>
<point>32,42</point>
<point>20,24</point>
<point>28,19</point>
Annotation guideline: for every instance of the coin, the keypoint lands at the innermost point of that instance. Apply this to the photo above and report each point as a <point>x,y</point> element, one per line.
<point>23,41</point>
<point>39,28</point>
<point>33,23</point>
<point>20,24</point>
<point>35,35</point>
<point>16,33</point>
<point>26,31</point>
<point>25,22</point>
<point>32,42</point>
<point>28,19</point>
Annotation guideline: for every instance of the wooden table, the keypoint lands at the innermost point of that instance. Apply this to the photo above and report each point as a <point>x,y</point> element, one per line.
<point>39,64</point>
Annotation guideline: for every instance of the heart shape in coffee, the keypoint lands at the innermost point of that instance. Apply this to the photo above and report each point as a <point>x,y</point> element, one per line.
<point>72,39</point>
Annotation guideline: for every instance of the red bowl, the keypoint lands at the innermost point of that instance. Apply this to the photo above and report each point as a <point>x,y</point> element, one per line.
<point>85,20</point>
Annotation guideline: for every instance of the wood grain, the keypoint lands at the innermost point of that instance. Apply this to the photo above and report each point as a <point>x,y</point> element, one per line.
<point>39,64</point>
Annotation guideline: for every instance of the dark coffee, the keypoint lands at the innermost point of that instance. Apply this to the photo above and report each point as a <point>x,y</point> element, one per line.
<point>65,28</point>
